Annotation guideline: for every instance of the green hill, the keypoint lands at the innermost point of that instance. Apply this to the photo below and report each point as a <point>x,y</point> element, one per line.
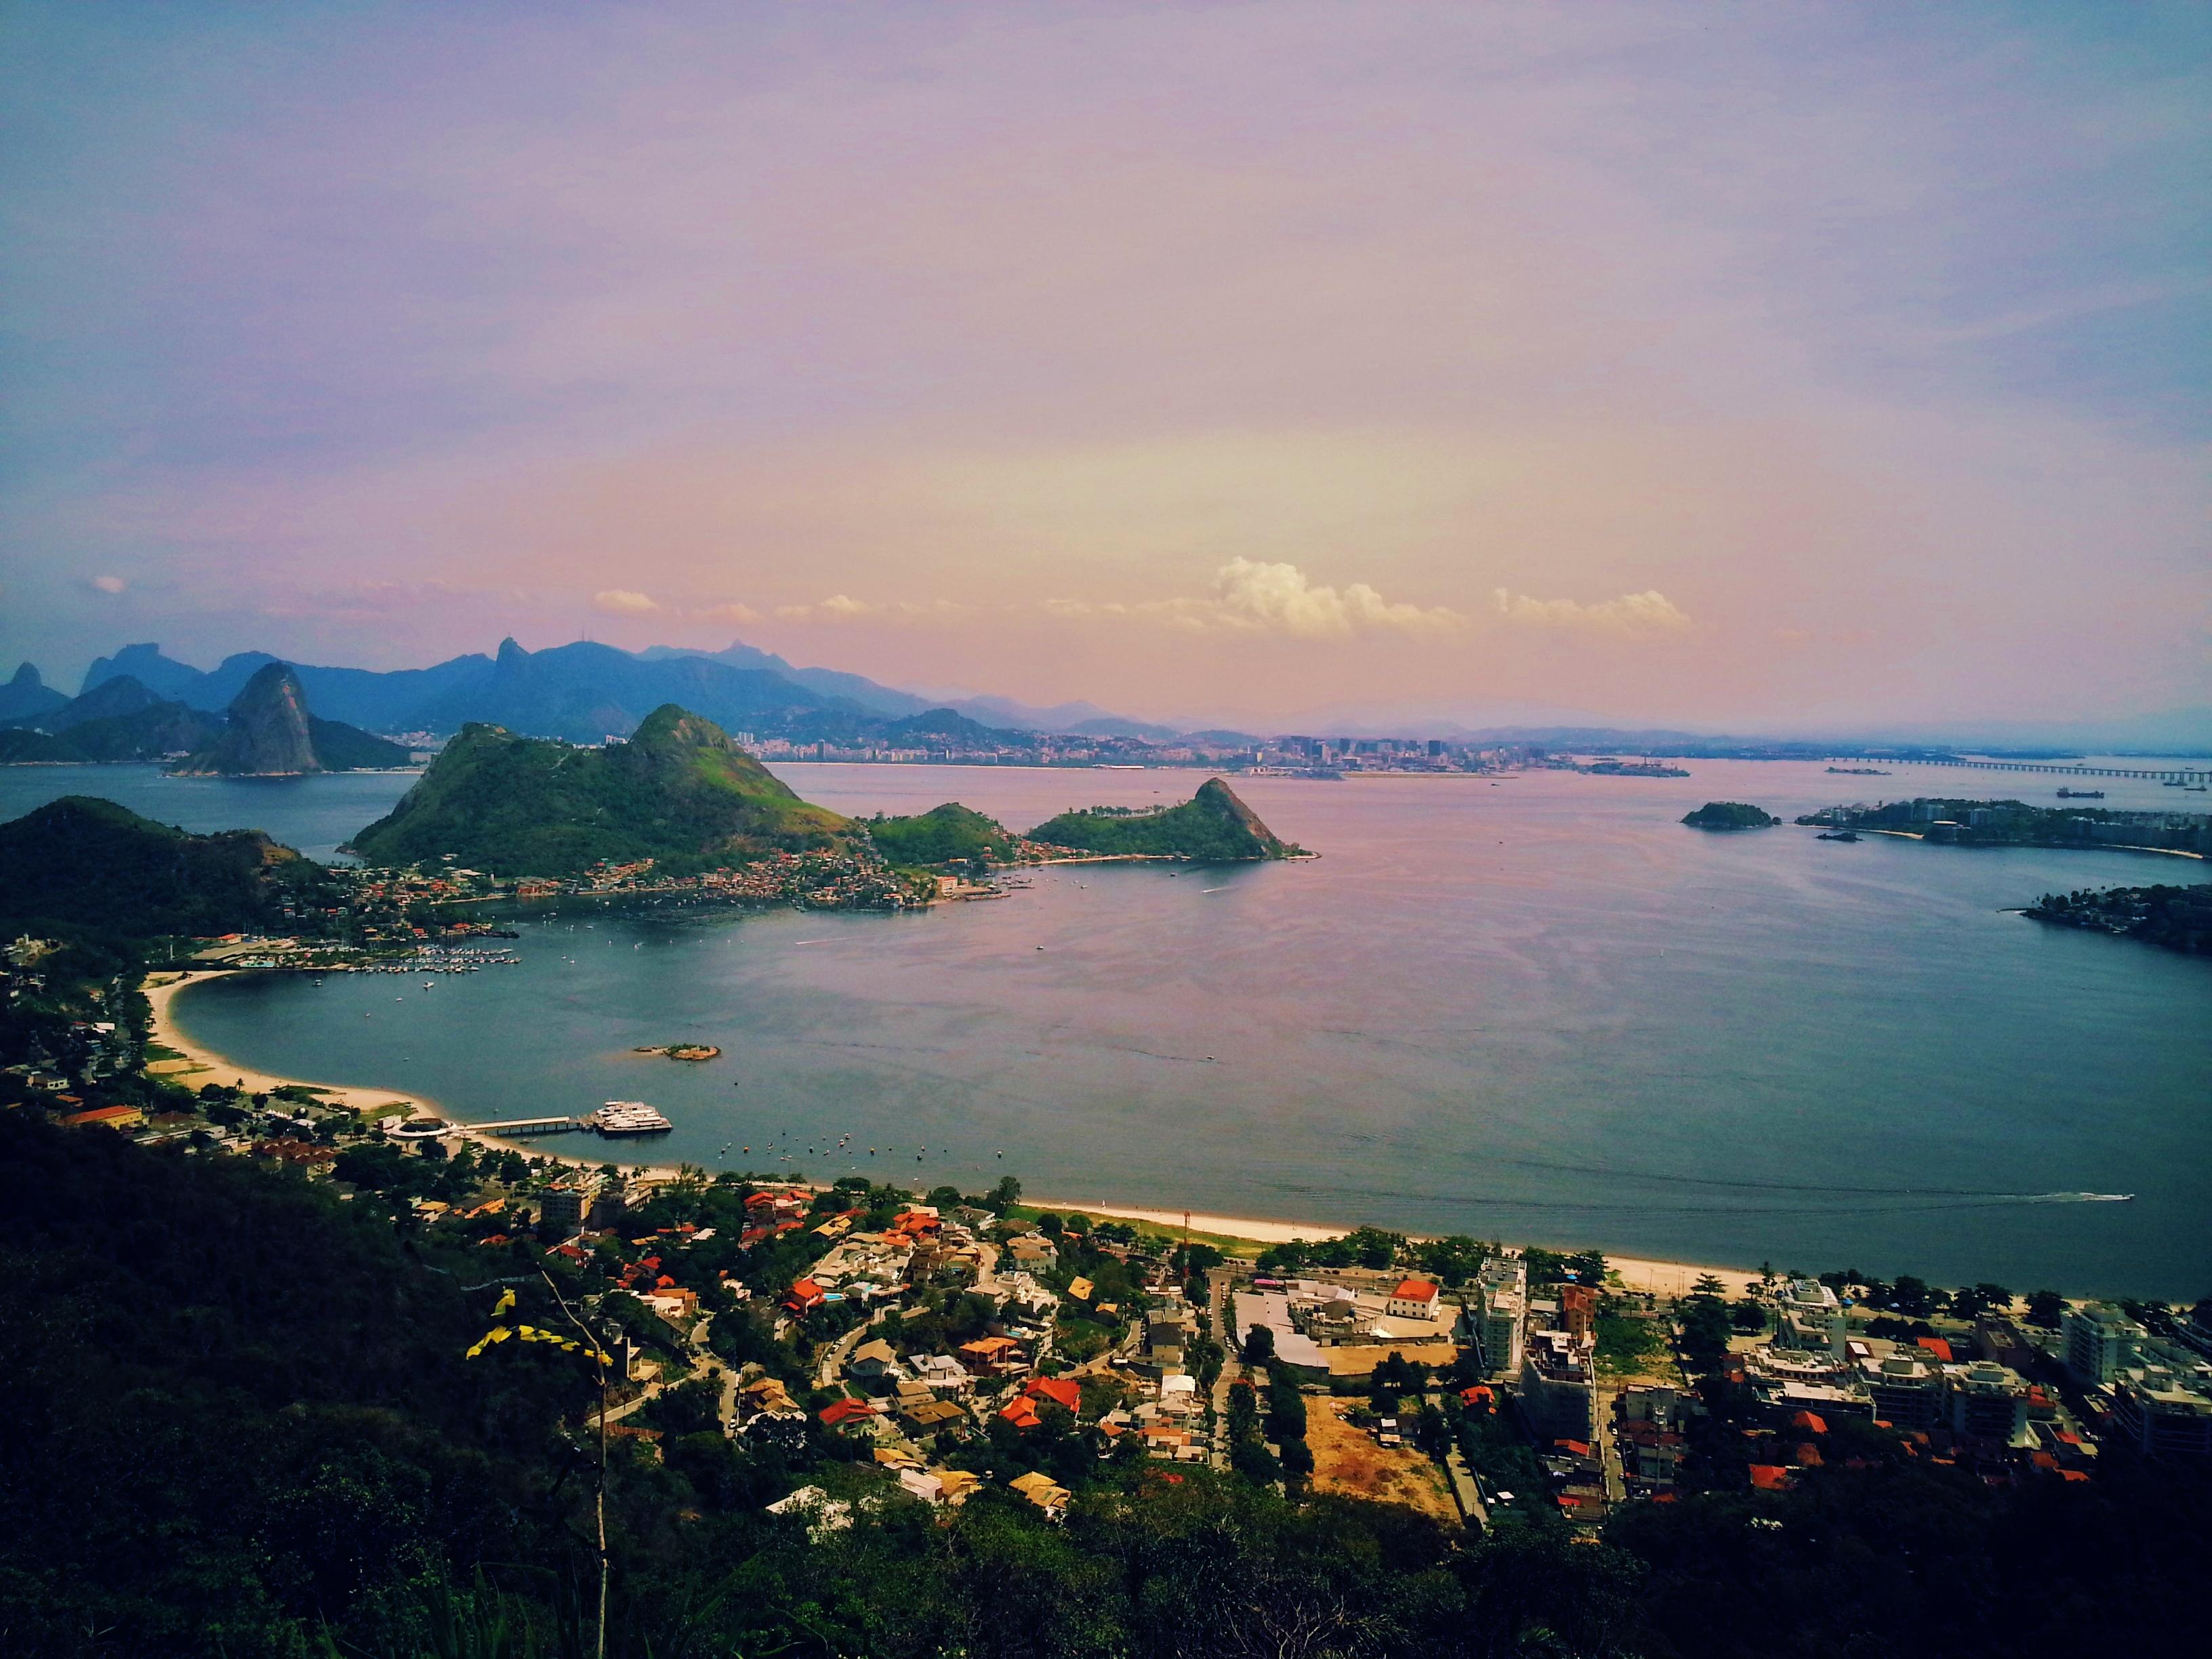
<point>944,835</point>
<point>680,792</point>
<point>80,862</point>
<point>1212,825</point>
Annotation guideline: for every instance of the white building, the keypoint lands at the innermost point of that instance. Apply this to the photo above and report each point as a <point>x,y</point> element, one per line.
<point>2102,1342</point>
<point>1500,1310</point>
<point>1811,1319</point>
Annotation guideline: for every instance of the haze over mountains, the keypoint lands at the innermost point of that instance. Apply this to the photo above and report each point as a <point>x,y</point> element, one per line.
<point>586,692</point>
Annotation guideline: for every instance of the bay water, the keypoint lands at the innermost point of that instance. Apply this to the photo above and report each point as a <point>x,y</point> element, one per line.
<point>1536,1008</point>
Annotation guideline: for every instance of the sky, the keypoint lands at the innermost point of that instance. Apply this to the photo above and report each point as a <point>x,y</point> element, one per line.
<point>1730,366</point>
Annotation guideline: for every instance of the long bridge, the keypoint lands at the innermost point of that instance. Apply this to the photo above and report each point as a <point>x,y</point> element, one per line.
<point>2190,777</point>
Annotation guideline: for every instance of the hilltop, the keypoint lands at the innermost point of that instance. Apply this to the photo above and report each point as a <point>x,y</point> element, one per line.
<point>1213,824</point>
<point>944,835</point>
<point>82,862</point>
<point>270,733</point>
<point>680,792</point>
<point>1730,815</point>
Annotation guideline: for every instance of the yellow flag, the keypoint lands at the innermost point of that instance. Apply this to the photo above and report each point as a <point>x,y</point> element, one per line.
<point>529,1332</point>
<point>505,1301</point>
<point>499,1335</point>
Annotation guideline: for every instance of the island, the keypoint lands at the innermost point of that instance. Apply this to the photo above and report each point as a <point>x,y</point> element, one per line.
<point>269,733</point>
<point>1729,815</point>
<point>1212,826</point>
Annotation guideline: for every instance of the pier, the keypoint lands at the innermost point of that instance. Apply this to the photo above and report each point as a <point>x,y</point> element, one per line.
<point>526,1126</point>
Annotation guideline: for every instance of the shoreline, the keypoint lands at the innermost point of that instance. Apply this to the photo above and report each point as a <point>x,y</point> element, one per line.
<point>208,1066</point>
<point>1635,1273</point>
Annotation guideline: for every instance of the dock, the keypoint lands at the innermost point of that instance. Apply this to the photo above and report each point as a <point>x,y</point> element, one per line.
<point>526,1126</point>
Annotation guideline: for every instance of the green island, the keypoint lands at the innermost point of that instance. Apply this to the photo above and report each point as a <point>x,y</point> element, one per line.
<point>1213,825</point>
<point>2178,918</point>
<point>1730,815</point>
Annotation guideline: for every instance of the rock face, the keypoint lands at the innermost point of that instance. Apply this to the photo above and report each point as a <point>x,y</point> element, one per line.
<point>268,735</point>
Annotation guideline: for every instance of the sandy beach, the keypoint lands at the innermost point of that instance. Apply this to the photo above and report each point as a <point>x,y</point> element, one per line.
<point>200,1065</point>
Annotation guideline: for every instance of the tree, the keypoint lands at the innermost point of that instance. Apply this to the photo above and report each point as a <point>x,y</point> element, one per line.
<point>1911,1297</point>
<point>2044,1308</point>
<point>1051,1225</point>
<point>1258,1346</point>
<point>1748,1315</point>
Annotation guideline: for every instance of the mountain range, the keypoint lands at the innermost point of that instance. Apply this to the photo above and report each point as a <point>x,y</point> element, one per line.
<point>267,730</point>
<point>586,691</point>
<point>583,692</point>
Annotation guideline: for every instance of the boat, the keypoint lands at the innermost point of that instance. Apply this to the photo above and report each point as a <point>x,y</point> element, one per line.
<point>2081,794</point>
<point>628,1117</point>
<point>1838,835</point>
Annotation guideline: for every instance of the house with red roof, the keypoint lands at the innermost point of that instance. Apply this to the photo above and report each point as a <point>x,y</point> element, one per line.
<point>804,1297</point>
<point>842,1413</point>
<point>1414,1298</point>
<point>1063,1391</point>
<point>1770,1477</point>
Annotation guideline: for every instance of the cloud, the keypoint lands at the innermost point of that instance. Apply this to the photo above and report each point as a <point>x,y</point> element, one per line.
<point>843,607</point>
<point>109,584</point>
<point>1250,597</point>
<point>732,612</point>
<point>621,602</point>
<point>1648,612</point>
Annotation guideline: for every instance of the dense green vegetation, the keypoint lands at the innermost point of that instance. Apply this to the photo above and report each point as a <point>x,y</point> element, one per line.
<point>1212,825</point>
<point>2178,918</point>
<point>950,834</point>
<point>680,792</point>
<point>143,734</point>
<point>81,863</point>
<point>1729,815</point>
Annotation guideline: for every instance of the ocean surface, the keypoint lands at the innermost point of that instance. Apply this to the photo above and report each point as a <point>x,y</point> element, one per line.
<point>1537,1009</point>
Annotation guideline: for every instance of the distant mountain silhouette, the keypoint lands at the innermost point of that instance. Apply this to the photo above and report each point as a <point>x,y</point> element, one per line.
<point>26,696</point>
<point>268,732</point>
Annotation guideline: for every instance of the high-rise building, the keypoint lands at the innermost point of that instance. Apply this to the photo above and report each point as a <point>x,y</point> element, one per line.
<point>2102,1342</point>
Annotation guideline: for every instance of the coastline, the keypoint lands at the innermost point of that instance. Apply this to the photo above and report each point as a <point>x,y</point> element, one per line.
<point>1635,1273</point>
<point>201,1065</point>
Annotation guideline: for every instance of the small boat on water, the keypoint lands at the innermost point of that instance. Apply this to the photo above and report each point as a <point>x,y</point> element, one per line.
<point>1838,835</point>
<point>628,1117</point>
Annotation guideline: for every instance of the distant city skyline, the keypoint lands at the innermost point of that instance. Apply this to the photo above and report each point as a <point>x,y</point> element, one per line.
<point>1812,369</point>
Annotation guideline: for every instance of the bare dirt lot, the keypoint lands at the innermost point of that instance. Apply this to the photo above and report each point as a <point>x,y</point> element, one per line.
<point>1347,1460</point>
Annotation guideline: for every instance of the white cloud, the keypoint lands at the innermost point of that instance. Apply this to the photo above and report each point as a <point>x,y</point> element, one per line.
<point>732,612</point>
<point>109,584</point>
<point>1254,598</point>
<point>1648,612</point>
<point>621,602</point>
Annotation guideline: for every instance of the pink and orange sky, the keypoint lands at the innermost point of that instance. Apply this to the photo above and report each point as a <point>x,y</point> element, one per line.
<point>1775,366</point>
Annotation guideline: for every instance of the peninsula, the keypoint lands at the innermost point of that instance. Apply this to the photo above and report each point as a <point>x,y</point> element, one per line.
<point>1947,821</point>
<point>1212,826</point>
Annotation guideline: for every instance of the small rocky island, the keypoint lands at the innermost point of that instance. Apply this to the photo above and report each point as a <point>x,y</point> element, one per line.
<point>690,1051</point>
<point>1729,815</point>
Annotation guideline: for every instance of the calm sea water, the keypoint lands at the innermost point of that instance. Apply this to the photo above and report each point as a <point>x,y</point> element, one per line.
<point>1539,1008</point>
